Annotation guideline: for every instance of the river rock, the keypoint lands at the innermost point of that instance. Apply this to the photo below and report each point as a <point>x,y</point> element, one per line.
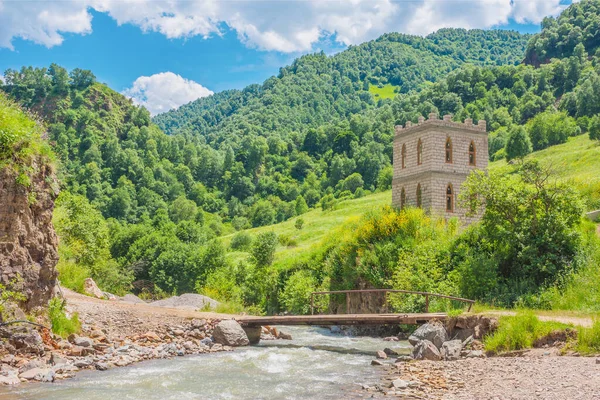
<point>83,341</point>
<point>376,363</point>
<point>426,350</point>
<point>38,374</point>
<point>27,341</point>
<point>381,355</point>
<point>35,363</point>
<point>229,332</point>
<point>400,384</point>
<point>9,380</point>
<point>90,287</point>
<point>335,329</point>
<point>284,336</point>
<point>101,366</point>
<point>433,331</point>
<point>390,352</point>
<point>253,333</point>
<point>475,354</point>
<point>451,350</point>
<point>56,359</point>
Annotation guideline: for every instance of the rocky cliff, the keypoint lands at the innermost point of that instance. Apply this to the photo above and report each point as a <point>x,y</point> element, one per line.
<point>28,243</point>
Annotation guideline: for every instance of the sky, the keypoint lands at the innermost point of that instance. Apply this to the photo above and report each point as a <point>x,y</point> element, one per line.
<point>164,53</point>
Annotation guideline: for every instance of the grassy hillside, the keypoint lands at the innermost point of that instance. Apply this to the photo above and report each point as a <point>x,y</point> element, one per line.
<point>577,161</point>
<point>317,224</point>
<point>385,92</point>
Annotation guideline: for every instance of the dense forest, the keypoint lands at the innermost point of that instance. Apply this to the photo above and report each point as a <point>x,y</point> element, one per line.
<point>144,201</point>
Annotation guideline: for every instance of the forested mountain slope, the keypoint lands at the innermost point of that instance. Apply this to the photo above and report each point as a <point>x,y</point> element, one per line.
<point>580,23</point>
<point>316,89</point>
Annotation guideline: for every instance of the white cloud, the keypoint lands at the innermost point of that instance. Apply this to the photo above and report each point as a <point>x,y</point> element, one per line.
<point>286,26</point>
<point>164,91</point>
<point>42,21</point>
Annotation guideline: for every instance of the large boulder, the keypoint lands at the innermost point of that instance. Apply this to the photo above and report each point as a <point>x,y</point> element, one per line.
<point>24,339</point>
<point>426,350</point>
<point>229,333</point>
<point>451,350</point>
<point>90,287</point>
<point>433,331</point>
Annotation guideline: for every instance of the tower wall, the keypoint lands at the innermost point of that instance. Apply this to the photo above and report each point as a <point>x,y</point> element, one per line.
<point>434,173</point>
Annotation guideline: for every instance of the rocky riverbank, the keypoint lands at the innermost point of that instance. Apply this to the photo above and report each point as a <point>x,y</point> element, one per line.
<point>448,361</point>
<point>115,334</point>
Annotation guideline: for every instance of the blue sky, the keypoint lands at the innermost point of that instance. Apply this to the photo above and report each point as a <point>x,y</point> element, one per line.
<point>190,49</point>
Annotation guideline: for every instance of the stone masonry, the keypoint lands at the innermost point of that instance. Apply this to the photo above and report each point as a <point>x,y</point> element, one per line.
<point>439,173</point>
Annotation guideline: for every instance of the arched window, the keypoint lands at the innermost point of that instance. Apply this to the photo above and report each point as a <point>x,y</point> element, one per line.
<point>419,152</point>
<point>448,150</point>
<point>403,156</point>
<point>402,198</point>
<point>449,198</point>
<point>472,154</point>
<point>419,203</point>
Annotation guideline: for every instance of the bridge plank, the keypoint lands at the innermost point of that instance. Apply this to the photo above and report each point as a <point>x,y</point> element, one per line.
<point>342,319</point>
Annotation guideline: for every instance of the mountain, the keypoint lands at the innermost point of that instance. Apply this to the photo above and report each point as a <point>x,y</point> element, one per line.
<point>316,89</point>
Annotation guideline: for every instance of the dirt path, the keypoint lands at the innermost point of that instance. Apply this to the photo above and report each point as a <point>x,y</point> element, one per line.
<point>586,322</point>
<point>126,319</point>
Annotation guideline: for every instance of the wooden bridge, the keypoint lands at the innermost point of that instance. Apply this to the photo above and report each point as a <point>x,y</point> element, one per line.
<point>353,318</point>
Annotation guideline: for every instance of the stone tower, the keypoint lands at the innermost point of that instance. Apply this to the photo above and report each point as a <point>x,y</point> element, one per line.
<point>431,161</point>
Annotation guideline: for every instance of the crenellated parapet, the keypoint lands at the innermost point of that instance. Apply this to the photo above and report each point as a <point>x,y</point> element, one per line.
<point>433,119</point>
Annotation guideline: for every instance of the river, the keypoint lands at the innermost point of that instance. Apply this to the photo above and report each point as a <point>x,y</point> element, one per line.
<point>316,364</point>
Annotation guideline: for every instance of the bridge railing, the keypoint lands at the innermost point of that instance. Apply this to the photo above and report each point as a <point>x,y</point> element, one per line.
<point>385,292</point>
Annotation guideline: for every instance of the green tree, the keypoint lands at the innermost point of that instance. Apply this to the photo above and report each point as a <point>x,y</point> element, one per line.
<point>182,209</point>
<point>263,249</point>
<point>518,144</point>
<point>594,127</point>
<point>82,78</point>
<point>353,182</point>
<point>529,226</point>
<point>300,206</point>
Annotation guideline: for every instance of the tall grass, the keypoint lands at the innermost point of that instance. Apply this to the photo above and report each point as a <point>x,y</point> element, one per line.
<point>588,339</point>
<point>580,290</point>
<point>72,275</point>
<point>61,324</point>
<point>520,332</point>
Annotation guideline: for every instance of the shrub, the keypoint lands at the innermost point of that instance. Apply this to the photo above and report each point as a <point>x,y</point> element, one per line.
<point>328,202</point>
<point>286,240</point>
<point>296,294</point>
<point>299,223</point>
<point>61,324</point>
<point>241,241</point>
<point>240,223</point>
<point>10,294</point>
